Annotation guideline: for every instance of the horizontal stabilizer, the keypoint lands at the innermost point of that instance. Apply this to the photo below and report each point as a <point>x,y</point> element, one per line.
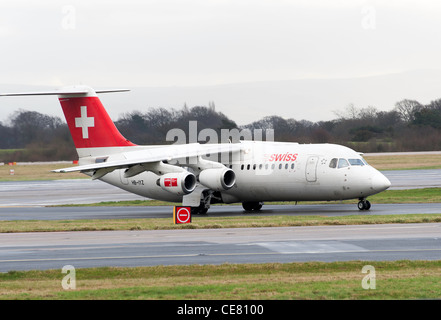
<point>62,92</point>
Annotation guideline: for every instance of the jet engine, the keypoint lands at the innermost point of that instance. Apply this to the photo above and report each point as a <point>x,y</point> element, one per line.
<point>218,179</point>
<point>178,183</point>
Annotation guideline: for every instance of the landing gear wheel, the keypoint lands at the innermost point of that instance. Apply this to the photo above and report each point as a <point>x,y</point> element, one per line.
<point>252,206</point>
<point>199,210</point>
<point>364,205</point>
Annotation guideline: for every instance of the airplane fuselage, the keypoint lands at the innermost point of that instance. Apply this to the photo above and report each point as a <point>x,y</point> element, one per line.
<point>273,171</point>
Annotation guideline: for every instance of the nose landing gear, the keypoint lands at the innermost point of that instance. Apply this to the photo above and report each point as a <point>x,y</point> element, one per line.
<point>364,204</point>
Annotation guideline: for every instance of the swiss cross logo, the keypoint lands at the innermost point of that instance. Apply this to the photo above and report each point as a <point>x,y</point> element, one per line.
<point>170,182</point>
<point>84,122</point>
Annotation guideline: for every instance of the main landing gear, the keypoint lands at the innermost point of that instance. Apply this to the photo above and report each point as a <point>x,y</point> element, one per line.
<point>364,204</point>
<point>202,209</point>
<point>207,198</point>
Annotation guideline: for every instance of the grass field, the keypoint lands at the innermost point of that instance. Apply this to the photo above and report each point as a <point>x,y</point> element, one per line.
<point>314,280</point>
<point>208,222</point>
<point>405,162</point>
<point>30,172</point>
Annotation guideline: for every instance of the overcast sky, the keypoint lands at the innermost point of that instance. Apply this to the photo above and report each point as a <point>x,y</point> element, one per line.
<point>210,42</point>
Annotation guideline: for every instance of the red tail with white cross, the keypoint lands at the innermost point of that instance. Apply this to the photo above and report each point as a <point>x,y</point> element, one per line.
<point>88,121</point>
<point>90,124</point>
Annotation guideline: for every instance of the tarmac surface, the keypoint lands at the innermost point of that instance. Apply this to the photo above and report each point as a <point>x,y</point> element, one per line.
<point>53,250</point>
<point>146,212</point>
<point>31,251</point>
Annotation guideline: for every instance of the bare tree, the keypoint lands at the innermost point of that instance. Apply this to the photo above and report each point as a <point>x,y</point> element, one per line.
<point>407,109</point>
<point>349,113</point>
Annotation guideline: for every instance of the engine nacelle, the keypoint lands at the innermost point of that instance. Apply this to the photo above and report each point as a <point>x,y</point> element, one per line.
<point>178,183</point>
<point>218,179</point>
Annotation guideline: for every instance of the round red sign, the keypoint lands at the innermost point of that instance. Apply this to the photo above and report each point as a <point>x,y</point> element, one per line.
<point>183,215</point>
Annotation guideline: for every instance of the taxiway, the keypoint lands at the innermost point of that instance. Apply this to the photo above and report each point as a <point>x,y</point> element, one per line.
<point>30,251</point>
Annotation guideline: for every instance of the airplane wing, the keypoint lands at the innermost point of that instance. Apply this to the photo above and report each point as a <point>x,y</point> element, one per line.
<point>155,154</point>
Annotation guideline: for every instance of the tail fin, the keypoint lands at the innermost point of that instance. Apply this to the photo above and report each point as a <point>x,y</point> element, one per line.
<point>88,121</point>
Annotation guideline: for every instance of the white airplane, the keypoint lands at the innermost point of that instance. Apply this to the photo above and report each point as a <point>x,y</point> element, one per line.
<point>249,172</point>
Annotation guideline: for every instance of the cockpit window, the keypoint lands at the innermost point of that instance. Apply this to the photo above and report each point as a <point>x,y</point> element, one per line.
<point>333,163</point>
<point>356,162</point>
<point>342,163</point>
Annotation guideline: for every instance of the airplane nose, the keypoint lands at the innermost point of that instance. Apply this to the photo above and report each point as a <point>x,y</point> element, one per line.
<point>380,182</point>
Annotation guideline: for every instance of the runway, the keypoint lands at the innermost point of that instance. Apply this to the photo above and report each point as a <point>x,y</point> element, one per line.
<point>30,251</point>
<point>147,212</point>
<point>58,192</point>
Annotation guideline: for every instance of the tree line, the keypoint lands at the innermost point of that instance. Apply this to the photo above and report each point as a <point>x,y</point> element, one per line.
<point>409,126</point>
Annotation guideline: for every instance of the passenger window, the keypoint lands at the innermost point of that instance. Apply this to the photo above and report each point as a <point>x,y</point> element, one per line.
<point>342,163</point>
<point>333,163</point>
<point>292,165</point>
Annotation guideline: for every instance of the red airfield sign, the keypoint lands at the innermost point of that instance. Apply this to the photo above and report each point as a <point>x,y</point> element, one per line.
<point>181,215</point>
